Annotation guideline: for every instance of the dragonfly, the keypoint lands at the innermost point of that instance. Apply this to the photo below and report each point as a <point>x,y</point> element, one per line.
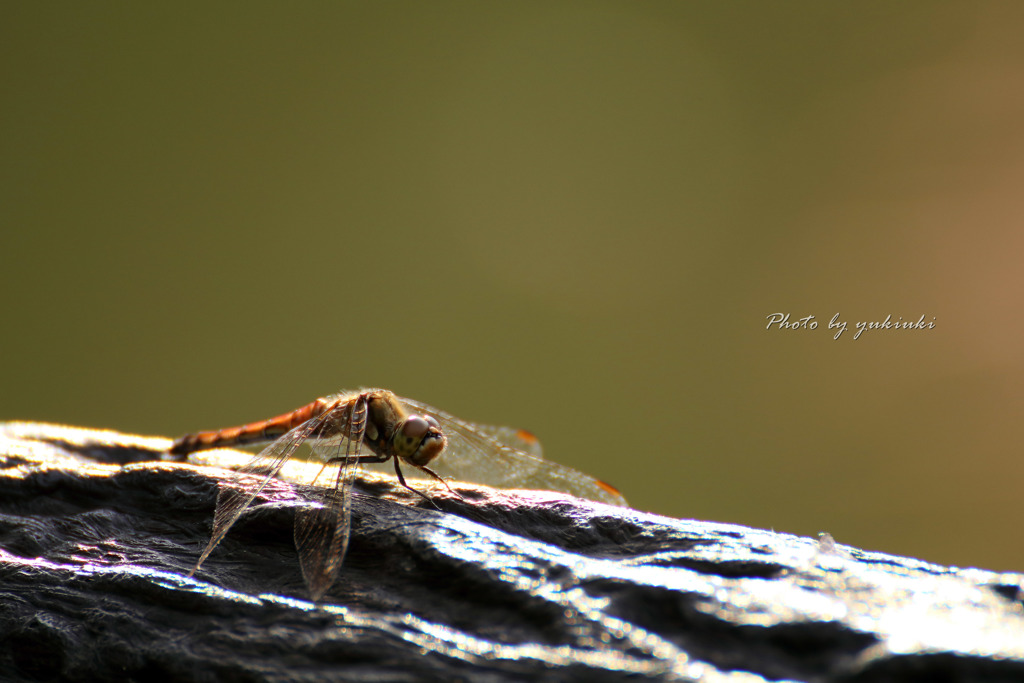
<point>354,428</point>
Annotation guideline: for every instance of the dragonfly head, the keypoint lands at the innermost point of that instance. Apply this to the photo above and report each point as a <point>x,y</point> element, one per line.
<point>418,440</point>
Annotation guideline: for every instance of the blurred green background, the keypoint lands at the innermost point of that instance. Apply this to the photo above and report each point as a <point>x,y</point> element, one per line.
<point>569,217</point>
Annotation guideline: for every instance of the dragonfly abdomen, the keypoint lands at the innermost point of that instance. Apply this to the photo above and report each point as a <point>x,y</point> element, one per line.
<point>254,432</point>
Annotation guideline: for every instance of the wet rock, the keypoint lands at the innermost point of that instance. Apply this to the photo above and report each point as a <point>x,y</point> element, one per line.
<point>98,533</point>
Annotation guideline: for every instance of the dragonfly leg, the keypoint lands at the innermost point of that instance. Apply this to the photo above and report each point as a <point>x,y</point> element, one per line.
<point>401,480</point>
<point>358,459</point>
<point>441,479</point>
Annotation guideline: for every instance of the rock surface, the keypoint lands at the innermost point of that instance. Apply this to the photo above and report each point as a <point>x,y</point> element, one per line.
<point>97,534</point>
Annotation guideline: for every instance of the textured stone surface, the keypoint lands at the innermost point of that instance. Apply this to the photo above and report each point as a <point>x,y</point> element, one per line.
<point>495,586</point>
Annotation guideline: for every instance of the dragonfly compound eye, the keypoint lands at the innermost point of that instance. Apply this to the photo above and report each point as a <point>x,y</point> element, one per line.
<point>415,427</point>
<point>419,440</point>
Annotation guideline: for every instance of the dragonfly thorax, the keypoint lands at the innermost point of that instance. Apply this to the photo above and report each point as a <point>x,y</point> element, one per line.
<point>392,432</point>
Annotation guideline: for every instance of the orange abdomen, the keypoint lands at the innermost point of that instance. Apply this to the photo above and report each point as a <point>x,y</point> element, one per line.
<point>254,432</point>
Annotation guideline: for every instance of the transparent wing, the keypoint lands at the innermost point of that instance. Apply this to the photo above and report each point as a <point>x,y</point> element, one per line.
<point>237,494</point>
<point>519,439</point>
<point>322,529</point>
<point>483,454</point>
